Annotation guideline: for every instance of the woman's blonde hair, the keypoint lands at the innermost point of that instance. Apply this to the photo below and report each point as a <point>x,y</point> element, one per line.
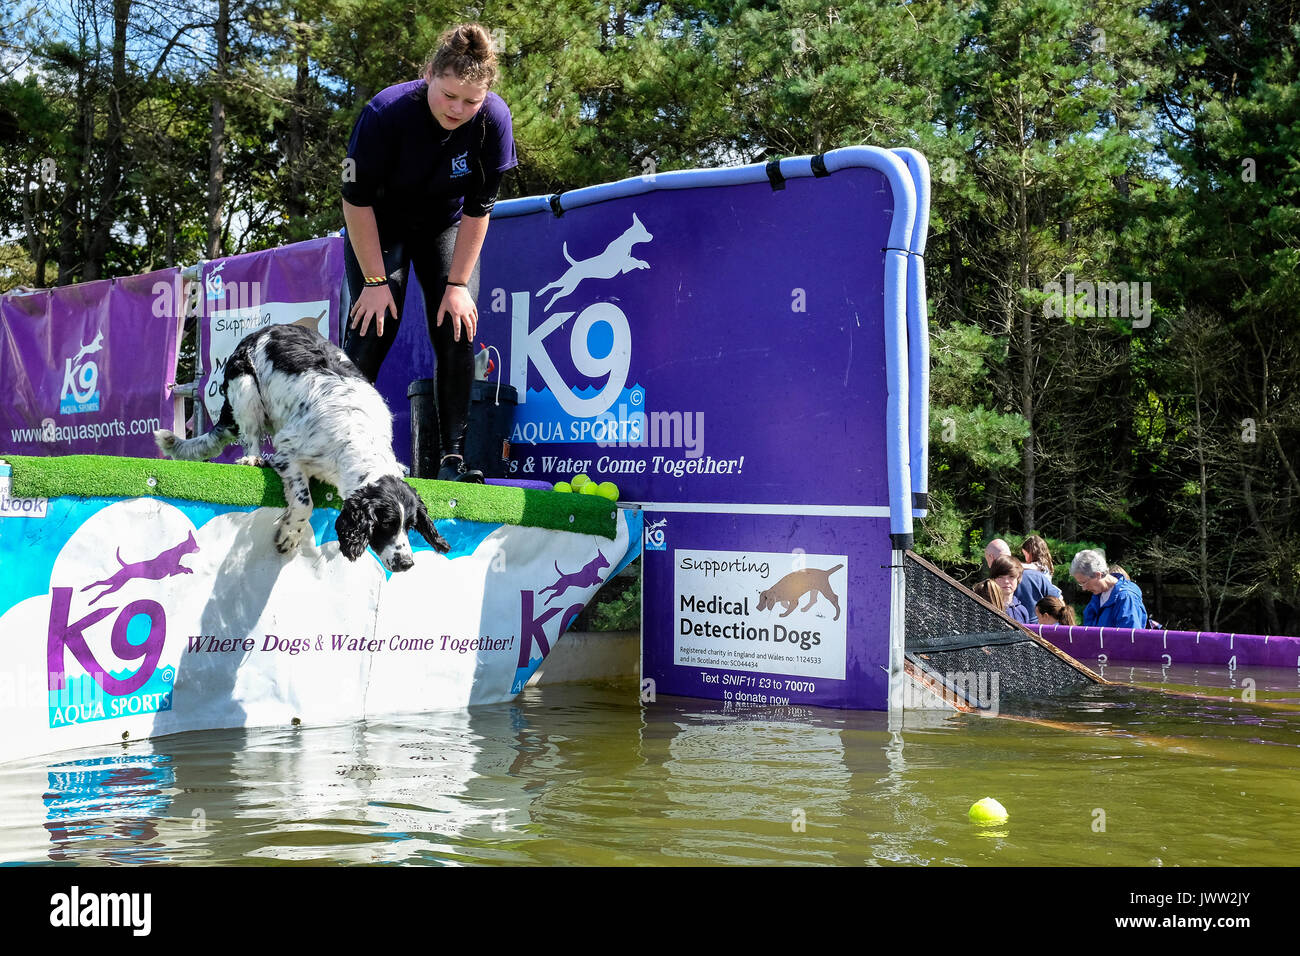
<point>991,593</point>
<point>467,51</point>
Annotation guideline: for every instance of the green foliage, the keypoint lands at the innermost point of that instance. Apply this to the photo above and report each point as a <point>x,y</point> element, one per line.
<point>1098,139</point>
<point>616,608</point>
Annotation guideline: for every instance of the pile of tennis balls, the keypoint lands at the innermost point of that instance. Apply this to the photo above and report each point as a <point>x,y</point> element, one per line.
<point>582,485</point>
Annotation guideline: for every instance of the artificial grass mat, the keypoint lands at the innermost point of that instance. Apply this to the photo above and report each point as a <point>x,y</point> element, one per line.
<point>100,476</point>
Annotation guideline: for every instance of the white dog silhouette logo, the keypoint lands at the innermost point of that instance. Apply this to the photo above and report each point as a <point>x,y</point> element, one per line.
<point>615,260</point>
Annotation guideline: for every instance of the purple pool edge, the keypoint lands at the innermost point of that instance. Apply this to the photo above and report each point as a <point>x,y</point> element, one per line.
<point>1173,647</point>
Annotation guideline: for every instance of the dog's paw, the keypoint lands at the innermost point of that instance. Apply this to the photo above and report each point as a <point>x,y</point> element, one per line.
<point>165,440</point>
<point>287,536</point>
<point>257,461</point>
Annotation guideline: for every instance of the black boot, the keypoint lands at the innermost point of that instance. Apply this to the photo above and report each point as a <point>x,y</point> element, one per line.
<point>453,469</point>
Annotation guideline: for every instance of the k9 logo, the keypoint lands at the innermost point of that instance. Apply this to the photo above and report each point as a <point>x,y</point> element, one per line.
<point>213,284</point>
<point>66,635</point>
<point>81,379</point>
<point>530,347</point>
<point>654,535</point>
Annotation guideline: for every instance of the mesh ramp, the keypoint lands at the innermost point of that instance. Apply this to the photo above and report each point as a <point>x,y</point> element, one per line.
<point>970,655</point>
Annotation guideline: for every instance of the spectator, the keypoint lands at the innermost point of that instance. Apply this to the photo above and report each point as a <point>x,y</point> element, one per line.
<point>1119,572</point>
<point>1034,583</point>
<point>1006,572</point>
<point>994,550</point>
<point>1037,554</point>
<point>1116,601</point>
<point>1052,610</point>
<point>991,593</point>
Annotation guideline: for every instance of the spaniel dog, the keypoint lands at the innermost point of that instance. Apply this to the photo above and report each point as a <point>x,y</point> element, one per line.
<point>286,383</point>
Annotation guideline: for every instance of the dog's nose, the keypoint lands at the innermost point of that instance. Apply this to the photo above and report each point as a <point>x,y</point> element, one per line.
<point>402,562</point>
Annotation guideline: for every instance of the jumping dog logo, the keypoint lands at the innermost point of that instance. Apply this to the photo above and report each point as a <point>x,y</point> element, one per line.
<point>212,282</point>
<point>615,260</point>
<point>599,345</point>
<point>532,624</point>
<point>80,391</point>
<point>459,165</point>
<point>89,691</point>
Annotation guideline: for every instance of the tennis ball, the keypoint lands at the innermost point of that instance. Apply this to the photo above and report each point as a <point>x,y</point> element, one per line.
<point>563,486</point>
<point>608,489</point>
<point>578,481</point>
<point>987,810</point>
<point>590,488</point>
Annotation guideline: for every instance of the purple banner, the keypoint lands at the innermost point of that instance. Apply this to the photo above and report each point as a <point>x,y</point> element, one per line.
<point>765,610</point>
<point>1173,647</point>
<point>730,348</point>
<point>694,357</point>
<point>86,368</point>
<point>291,285</point>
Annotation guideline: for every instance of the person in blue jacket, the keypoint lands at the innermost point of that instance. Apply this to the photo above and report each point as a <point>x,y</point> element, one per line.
<point>1034,583</point>
<point>1006,572</point>
<point>1116,601</point>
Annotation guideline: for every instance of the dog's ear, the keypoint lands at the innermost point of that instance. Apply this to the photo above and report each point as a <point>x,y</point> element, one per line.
<point>424,525</point>
<point>353,526</point>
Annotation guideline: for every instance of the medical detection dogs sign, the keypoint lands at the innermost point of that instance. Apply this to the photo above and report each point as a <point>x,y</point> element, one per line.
<point>767,612</point>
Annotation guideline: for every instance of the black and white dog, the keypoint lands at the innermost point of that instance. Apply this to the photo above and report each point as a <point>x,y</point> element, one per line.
<point>286,383</point>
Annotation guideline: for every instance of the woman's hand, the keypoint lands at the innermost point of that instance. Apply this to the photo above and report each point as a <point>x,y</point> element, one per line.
<point>374,302</point>
<point>458,303</point>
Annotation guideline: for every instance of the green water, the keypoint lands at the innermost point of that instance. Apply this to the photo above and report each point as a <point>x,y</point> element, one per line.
<point>578,774</point>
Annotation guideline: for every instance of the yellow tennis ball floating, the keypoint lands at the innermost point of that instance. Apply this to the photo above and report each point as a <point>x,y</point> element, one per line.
<point>577,481</point>
<point>563,486</point>
<point>986,811</point>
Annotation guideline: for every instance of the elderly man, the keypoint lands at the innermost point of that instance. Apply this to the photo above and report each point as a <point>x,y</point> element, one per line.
<point>1116,601</point>
<point>1034,584</point>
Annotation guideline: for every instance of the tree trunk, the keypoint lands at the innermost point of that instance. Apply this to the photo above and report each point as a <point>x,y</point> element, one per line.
<point>296,201</point>
<point>79,148</point>
<point>1071,512</point>
<point>217,148</point>
<point>1203,524</point>
<point>106,214</point>
<point>1026,324</point>
<point>1266,538</point>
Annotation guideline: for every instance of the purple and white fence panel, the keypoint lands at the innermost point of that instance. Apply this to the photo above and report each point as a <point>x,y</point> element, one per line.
<point>1229,650</point>
<point>85,368</point>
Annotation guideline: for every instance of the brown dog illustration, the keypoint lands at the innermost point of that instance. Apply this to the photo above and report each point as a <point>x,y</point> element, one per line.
<point>795,585</point>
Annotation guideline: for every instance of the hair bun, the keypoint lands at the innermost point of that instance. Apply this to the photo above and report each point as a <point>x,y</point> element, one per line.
<point>467,50</point>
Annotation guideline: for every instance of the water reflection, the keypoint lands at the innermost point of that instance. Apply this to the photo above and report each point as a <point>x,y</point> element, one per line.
<point>590,775</point>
